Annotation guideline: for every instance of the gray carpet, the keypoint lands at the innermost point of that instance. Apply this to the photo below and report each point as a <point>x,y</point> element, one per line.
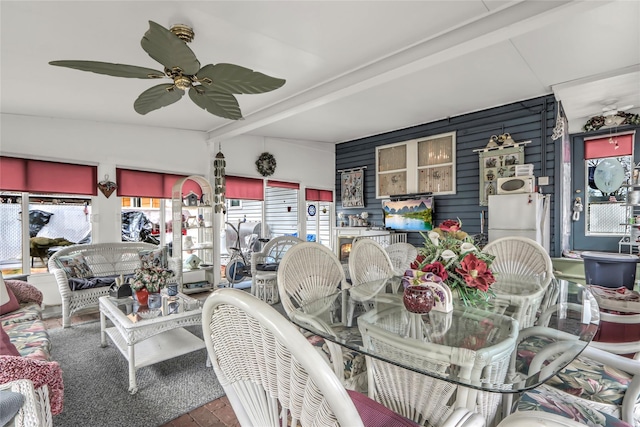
<point>96,383</point>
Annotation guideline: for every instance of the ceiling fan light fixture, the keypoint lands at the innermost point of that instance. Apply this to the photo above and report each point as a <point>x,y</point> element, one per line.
<point>184,32</point>
<point>613,120</point>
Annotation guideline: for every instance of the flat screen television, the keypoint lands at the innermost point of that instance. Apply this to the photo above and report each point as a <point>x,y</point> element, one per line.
<point>408,215</point>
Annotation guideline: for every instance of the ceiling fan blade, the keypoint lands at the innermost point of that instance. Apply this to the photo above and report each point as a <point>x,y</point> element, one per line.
<point>166,48</point>
<point>157,97</point>
<point>236,79</point>
<point>220,104</point>
<point>110,69</point>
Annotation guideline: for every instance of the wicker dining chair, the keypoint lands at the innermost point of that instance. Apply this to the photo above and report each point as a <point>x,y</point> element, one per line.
<point>273,377</point>
<point>598,388</point>
<point>428,400</point>
<point>368,261</point>
<point>401,255</point>
<point>307,272</point>
<point>523,271</point>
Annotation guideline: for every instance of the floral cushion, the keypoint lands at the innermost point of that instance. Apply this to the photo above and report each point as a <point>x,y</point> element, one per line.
<point>30,338</point>
<point>26,313</point>
<point>550,400</point>
<point>591,380</point>
<point>583,377</point>
<point>154,258</point>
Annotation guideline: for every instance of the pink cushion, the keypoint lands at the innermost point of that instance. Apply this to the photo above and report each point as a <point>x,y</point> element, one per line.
<point>11,305</point>
<point>374,414</point>
<point>6,346</point>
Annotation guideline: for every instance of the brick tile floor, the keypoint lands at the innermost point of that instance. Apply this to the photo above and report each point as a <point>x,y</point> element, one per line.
<point>217,413</point>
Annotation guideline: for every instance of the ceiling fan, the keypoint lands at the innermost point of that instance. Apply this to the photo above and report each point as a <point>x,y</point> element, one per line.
<point>211,87</point>
<point>611,115</point>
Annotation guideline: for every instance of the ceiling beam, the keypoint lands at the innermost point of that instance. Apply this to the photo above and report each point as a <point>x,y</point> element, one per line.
<point>511,20</point>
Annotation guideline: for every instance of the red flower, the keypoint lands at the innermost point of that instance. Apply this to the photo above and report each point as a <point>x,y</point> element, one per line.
<point>475,273</point>
<point>449,225</point>
<point>436,268</point>
<point>415,265</point>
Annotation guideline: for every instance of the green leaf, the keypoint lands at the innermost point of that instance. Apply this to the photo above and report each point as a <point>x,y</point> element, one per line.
<point>220,104</point>
<point>167,48</point>
<point>116,70</point>
<point>157,97</point>
<point>236,79</point>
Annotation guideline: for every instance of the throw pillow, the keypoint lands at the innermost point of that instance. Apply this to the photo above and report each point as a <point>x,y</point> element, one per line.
<point>24,291</point>
<point>154,258</point>
<point>6,346</point>
<point>75,266</point>
<point>8,300</point>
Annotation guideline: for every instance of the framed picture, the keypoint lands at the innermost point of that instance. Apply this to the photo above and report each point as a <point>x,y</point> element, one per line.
<point>352,189</point>
<point>497,163</point>
<point>408,215</point>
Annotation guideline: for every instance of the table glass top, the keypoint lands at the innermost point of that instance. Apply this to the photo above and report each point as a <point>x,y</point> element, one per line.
<point>170,306</point>
<point>493,347</point>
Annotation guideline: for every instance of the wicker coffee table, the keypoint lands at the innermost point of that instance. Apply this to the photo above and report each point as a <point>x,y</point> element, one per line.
<point>149,340</point>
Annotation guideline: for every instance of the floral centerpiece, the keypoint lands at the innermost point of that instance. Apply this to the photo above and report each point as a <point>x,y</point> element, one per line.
<point>449,254</point>
<point>153,278</point>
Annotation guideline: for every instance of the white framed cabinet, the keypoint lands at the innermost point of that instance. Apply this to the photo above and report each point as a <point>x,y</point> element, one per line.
<point>192,229</point>
<point>630,242</point>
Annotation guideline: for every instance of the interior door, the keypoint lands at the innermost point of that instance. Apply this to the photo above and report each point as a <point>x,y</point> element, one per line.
<point>598,226</point>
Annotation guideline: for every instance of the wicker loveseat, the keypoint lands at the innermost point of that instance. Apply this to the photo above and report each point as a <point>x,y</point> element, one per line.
<point>105,262</point>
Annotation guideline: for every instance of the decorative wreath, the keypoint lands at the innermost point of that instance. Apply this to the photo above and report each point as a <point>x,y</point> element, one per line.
<point>266,164</point>
<point>596,122</point>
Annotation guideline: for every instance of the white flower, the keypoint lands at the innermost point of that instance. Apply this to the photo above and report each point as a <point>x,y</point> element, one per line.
<point>467,247</point>
<point>434,237</point>
<point>448,255</point>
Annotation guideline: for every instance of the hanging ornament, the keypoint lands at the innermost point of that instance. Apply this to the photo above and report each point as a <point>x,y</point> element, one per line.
<point>107,187</point>
<point>219,183</point>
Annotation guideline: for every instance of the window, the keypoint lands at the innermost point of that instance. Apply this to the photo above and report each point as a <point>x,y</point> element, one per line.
<point>281,208</point>
<point>608,166</point>
<point>319,205</point>
<point>43,205</point>
<point>423,165</point>
<point>51,221</point>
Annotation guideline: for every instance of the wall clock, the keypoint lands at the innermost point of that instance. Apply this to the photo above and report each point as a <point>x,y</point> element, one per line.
<point>266,164</point>
<point>311,210</point>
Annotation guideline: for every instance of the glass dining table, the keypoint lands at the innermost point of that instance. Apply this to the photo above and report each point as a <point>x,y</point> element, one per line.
<point>487,350</point>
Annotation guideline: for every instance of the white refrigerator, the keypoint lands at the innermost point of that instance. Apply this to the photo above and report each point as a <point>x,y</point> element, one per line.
<point>525,215</point>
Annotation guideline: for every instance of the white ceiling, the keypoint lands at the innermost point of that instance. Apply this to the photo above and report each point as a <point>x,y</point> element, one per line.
<point>353,68</point>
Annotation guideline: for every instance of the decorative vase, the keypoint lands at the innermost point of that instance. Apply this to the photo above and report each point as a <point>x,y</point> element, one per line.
<point>418,299</point>
<point>172,289</point>
<point>155,300</point>
<point>142,295</point>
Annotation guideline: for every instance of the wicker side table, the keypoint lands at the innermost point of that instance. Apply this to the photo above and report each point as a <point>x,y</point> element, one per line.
<point>267,286</point>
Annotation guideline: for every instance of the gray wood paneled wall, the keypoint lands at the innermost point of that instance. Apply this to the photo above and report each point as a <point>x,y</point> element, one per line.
<point>528,120</point>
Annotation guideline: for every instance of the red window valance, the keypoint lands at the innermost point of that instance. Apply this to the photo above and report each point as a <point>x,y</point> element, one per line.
<point>39,176</point>
<point>133,183</point>
<point>283,184</point>
<point>244,188</point>
<point>609,146</point>
<point>314,195</point>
